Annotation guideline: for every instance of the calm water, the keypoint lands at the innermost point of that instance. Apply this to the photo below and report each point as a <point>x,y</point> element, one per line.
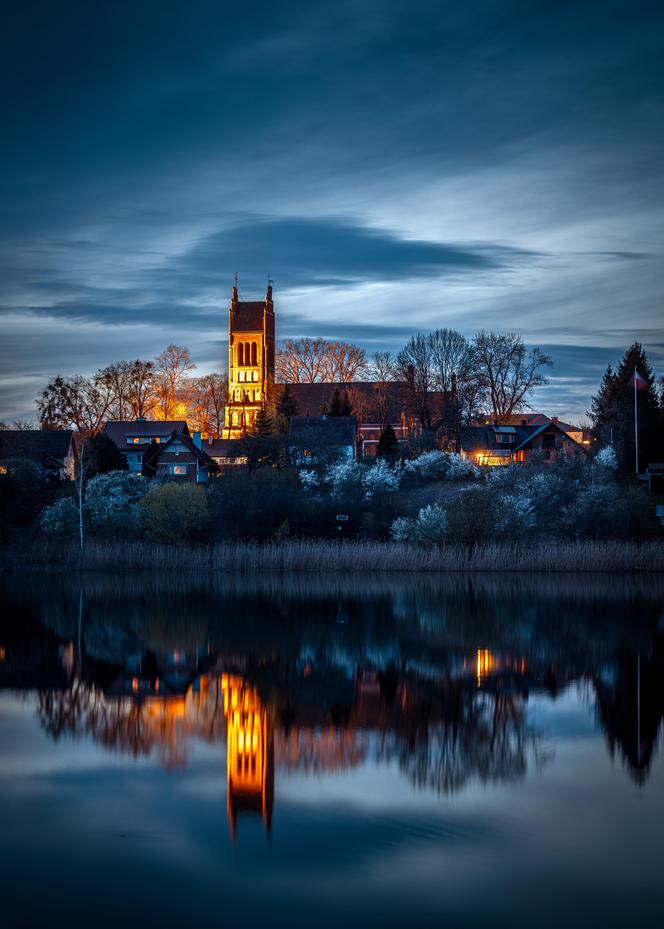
<point>340,752</point>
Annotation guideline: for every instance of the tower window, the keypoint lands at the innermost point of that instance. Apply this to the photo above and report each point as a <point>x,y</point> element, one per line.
<point>254,353</point>
<point>240,353</point>
<point>254,375</point>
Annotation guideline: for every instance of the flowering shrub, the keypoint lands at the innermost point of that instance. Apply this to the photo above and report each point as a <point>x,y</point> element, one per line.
<point>61,518</point>
<point>606,457</point>
<point>429,527</point>
<point>437,465</point>
<point>112,501</point>
<point>343,476</point>
<point>515,515</point>
<point>308,479</point>
<point>380,479</point>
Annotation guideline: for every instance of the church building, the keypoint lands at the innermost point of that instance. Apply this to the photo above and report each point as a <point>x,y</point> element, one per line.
<point>250,361</point>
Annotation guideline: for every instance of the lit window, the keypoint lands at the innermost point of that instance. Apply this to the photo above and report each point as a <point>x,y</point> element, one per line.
<point>240,377</point>
<point>178,469</point>
<point>254,375</point>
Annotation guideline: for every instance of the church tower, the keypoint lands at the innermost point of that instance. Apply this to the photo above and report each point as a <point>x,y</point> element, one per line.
<point>250,361</point>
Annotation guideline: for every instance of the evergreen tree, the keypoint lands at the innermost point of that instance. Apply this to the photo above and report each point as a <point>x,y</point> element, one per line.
<point>612,411</point>
<point>285,408</point>
<point>335,404</point>
<point>263,425</point>
<point>388,444</point>
<point>346,405</point>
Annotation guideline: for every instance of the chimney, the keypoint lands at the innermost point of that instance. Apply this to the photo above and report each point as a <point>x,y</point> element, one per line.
<point>196,438</point>
<point>554,419</point>
<point>524,422</point>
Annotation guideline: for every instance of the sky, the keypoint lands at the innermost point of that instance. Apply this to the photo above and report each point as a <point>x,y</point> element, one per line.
<point>394,166</point>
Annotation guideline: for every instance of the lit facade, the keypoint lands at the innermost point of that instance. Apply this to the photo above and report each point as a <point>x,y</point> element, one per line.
<point>251,351</point>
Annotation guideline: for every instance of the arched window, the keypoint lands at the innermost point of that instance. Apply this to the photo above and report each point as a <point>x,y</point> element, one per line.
<point>254,353</point>
<point>240,354</point>
<point>254,375</point>
<point>235,419</point>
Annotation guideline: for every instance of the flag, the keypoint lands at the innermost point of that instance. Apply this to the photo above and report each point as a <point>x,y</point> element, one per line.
<point>640,383</point>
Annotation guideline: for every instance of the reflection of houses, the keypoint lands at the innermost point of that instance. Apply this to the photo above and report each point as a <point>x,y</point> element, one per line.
<point>249,752</point>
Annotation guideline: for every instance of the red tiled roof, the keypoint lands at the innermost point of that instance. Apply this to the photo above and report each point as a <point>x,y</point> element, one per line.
<point>365,398</point>
<point>248,316</point>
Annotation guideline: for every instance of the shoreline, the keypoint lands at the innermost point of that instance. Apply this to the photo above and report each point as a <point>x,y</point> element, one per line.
<point>329,557</point>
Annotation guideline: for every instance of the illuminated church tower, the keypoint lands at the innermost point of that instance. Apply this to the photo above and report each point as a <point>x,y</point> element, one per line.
<point>250,361</point>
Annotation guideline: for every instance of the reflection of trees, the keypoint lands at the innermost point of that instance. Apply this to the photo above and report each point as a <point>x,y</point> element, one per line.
<point>487,740</point>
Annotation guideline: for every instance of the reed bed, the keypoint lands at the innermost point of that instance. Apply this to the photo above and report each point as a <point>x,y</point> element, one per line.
<point>319,557</point>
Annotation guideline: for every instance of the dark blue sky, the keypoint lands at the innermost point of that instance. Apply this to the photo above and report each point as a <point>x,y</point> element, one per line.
<point>395,166</point>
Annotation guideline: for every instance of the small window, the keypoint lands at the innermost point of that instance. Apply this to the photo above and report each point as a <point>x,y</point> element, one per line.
<point>240,354</point>
<point>547,455</point>
<point>178,469</point>
<point>548,440</point>
<point>254,353</point>
<point>240,377</point>
<point>254,375</point>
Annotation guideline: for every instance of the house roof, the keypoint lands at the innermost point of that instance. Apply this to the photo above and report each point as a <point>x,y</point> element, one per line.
<point>323,430</point>
<point>539,419</point>
<point>248,315</point>
<point>189,443</point>
<point>366,399</point>
<point>48,446</point>
<point>483,438</point>
<point>225,448</point>
<point>121,430</point>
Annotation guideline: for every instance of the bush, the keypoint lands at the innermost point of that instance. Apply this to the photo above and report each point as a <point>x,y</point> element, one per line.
<point>174,512</point>
<point>380,479</point>
<point>112,502</point>
<point>428,528</point>
<point>606,457</point>
<point>435,466</point>
<point>515,515</point>
<point>61,518</point>
<point>471,516</point>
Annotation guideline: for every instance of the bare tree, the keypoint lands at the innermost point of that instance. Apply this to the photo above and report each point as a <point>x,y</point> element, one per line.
<point>343,362</point>
<point>505,371</point>
<point>415,366</point>
<point>172,367</point>
<point>301,361</point>
<point>79,402</point>
<point>134,388</point>
<point>207,398</point>
<point>449,358</point>
<point>382,368</point>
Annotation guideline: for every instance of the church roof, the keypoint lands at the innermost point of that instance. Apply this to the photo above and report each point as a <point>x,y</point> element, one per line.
<point>366,398</point>
<point>248,316</point>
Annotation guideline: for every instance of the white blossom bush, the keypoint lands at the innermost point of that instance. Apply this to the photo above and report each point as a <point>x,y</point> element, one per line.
<point>435,465</point>
<point>61,518</point>
<point>401,529</point>
<point>606,457</point>
<point>429,527</point>
<point>430,466</point>
<point>515,515</point>
<point>308,479</point>
<point>545,490</point>
<point>461,469</point>
<point>593,511</point>
<point>504,475</point>
<point>343,476</point>
<point>380,479</point>
<point>112,501</point>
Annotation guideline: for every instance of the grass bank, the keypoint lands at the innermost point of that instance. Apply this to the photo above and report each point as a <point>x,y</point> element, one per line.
<point>321,557</point>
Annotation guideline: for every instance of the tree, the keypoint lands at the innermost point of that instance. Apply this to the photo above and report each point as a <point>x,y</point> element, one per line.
<point>112,502</point>
<point>388,444</point>
<point>612,411</point>
<point>339,405</point>
<point>301,361</point>
<point>76,403</point>
<point>206,403</point>
<point>139,386</point>
<point>382,372</point>
<point>449,358</point>
<point>285,408</point>
<point>174,512</point>
<point>344,362</point>
<point>505,371</point>
<point>104,455</point>
<point>20,484</point>
<point>172,367</point>
<point>415,366</point>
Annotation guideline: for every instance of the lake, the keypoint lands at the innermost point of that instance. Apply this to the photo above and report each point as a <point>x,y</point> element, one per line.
<point>335,751</point>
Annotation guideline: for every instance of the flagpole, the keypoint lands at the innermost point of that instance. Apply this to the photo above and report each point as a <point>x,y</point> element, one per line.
<point>636,427</point>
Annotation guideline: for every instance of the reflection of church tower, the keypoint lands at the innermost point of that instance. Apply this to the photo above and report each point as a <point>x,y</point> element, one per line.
<point>249,752</point>
<point>250,360</point>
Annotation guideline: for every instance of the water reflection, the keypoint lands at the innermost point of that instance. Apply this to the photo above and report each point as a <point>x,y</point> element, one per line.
<point>434,678</point>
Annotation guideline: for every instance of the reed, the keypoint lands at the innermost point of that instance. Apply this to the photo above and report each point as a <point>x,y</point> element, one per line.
<point>323,557</point>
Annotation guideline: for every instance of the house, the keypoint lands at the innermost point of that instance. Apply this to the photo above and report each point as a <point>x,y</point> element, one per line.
<point>133,438</point>
<point>226,453</point>
<point>500,444</point>
<point>580,434</point>
<point>179,458</point>
<point>54,450</point>
<point>316,439</point>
